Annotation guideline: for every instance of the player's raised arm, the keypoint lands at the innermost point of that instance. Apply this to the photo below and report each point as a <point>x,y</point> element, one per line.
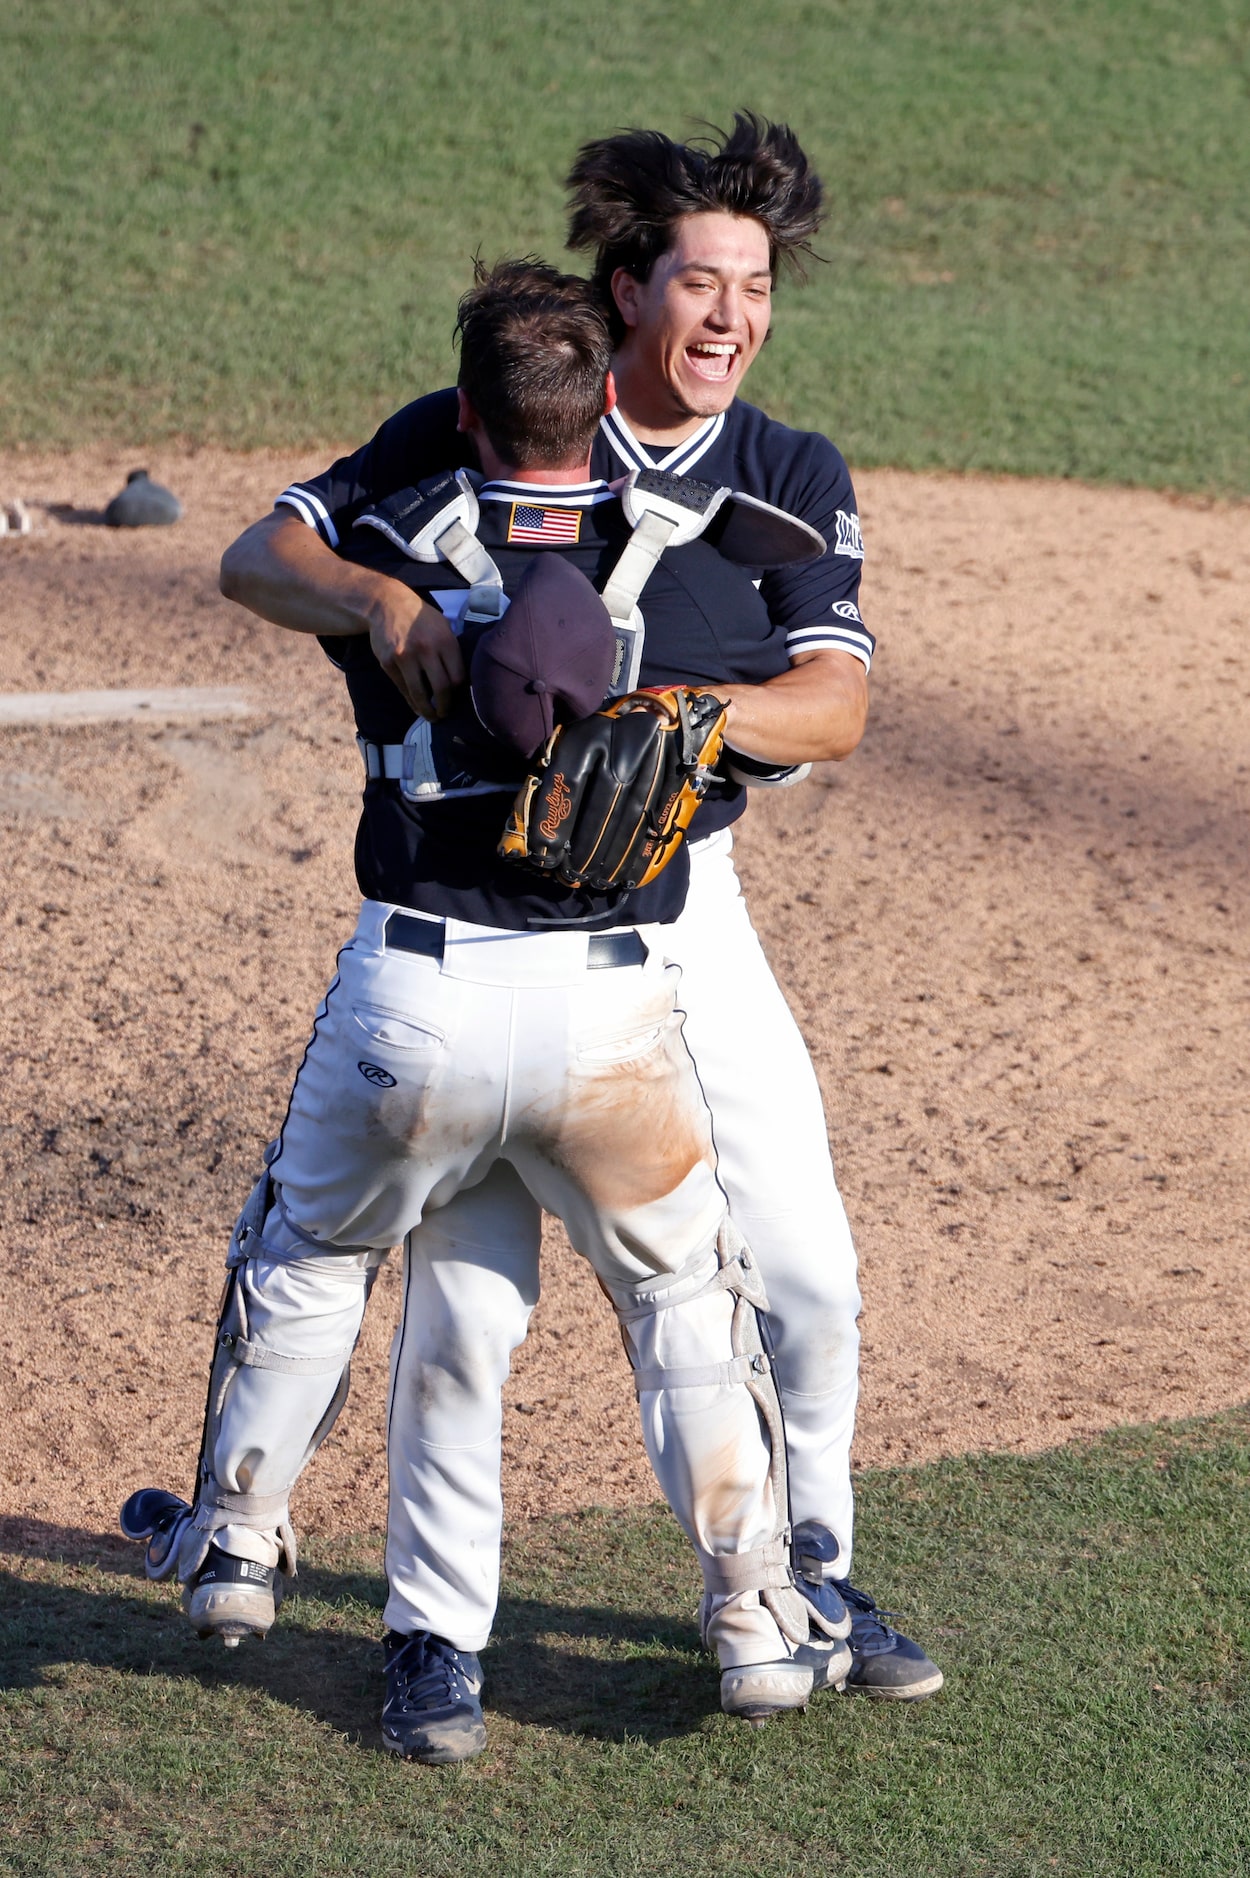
<point>285,568</point>
<point>813,713</point>
<point>281,570</point>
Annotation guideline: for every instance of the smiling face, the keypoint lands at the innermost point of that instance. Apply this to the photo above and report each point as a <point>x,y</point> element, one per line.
<point>695,325</point>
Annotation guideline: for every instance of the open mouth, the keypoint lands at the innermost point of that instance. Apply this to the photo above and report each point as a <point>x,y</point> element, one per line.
<point>712,359</point>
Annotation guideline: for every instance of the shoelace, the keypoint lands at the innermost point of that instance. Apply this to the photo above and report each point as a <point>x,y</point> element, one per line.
<point>865,1617</point>
<point>427,1667</point>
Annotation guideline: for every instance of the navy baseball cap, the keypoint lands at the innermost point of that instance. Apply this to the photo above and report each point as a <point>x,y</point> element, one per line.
<point>548,660</point>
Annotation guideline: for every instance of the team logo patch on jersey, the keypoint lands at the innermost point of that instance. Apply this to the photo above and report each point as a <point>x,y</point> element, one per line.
<point>849,542</point>
<point>847,609</point>
<point>529,521</point>
<point>374,1073</point>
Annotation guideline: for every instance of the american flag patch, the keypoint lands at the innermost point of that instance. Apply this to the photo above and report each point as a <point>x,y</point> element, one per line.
<point>530,522</point>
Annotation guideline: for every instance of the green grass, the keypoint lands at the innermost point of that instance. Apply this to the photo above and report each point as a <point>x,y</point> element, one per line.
<point>1089,1606</point>
<point>251,225</point>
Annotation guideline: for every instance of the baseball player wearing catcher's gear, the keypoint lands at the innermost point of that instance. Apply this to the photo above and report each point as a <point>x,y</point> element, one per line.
<point>502,1037</point>
<point>686,243</point>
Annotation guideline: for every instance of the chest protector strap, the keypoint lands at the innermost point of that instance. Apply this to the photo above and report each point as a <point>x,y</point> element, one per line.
<point>667,511</point>
<point>437,526</point>
<point>441,525</point>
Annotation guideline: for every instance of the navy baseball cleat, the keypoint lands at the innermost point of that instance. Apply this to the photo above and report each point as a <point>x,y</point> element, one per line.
<point>433,1711</point>
<point>232,1598</point>
<point>885,1663</point>
<point>829,1660</point>
<point>158,1517</point>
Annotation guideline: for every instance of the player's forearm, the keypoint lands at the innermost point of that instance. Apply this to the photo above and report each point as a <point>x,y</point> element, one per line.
<point>815,712</point>
<point>279,569</point>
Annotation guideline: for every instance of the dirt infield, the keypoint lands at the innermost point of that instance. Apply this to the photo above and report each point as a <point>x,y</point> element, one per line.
<point>1013,928</point>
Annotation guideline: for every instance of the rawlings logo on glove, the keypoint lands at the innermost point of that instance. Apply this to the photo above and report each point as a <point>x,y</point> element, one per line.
<point>559,808</point>
<point>610,797</point>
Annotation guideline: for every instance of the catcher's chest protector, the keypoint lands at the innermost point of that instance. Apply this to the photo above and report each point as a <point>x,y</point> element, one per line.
<point>664,511</point>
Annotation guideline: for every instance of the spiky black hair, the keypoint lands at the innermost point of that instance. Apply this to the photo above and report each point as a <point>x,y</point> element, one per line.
<point>628,192</point>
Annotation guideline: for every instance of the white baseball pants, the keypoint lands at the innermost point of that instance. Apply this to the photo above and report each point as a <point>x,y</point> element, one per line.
<point>773,1161</point>
<point>446,1103</point>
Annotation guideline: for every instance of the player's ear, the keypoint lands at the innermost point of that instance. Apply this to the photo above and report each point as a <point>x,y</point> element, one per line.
<point>467,420</point>
<point>609,393</point>
<point>625,291</point>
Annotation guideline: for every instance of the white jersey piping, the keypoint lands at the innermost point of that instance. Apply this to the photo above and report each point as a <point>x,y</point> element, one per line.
<point>676,462</point>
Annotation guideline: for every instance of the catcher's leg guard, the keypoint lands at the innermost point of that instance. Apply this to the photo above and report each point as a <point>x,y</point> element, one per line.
<point>230,1598</point>
<point>816,1573</point>
<point>714,1432</point>
<point>280,1374</point>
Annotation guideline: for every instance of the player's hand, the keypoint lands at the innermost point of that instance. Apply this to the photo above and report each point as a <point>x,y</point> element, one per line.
<point>418,651</point>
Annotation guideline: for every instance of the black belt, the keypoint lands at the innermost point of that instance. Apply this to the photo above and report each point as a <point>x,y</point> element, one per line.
<point>604,949</point>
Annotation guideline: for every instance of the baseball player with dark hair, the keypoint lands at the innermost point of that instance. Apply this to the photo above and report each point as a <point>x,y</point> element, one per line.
<point>687,241</point>
<point>503,1035</point>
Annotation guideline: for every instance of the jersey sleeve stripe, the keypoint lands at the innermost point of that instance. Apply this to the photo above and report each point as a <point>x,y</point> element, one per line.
<point>289,501</point>
<point>308,505</point>
<point>803,638</point>
<point>833,639</point>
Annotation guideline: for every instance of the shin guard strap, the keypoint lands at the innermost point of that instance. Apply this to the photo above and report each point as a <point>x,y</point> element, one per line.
<point>256,1356</point>
<point>767,1568</point>
<point>710,1376</point>
<point>216,1507</point>
<point>261,1510</point>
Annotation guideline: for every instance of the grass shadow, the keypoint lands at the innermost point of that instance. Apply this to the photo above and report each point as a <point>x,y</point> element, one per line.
<point>1088,1605</point>
<point>22,1536</point>
<point>580,1669</point>
<point>598,1671</point>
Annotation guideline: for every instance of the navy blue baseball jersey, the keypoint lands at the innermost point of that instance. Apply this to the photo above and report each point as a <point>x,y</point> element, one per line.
<point>817,604</point>
<point>704,623</point>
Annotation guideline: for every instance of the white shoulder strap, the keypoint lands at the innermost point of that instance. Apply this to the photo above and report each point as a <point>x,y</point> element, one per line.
<point>665,511</point>
<point>426,528</point>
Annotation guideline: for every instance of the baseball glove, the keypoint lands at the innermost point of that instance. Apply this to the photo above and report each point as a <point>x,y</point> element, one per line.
<point>610,797</point>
